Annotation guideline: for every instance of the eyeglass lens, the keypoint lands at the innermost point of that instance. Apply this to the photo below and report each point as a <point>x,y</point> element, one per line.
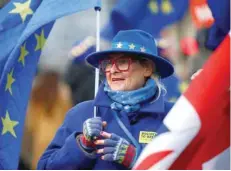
<point>122,64</point>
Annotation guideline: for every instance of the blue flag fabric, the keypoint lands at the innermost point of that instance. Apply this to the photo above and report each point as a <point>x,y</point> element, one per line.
<point>173,87</point>
<point>24,27</point>
<point>221,14</point>
<point>148,15</point>
<point>10,27</point>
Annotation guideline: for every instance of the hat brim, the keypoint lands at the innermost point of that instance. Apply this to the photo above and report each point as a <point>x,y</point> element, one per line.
<point>163,67</point>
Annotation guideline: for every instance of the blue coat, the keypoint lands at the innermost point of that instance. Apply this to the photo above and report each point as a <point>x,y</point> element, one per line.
<point>64,151</point>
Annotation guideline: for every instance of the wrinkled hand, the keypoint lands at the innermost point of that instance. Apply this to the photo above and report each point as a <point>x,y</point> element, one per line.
<point>91,130</point>
<point>116,149</point>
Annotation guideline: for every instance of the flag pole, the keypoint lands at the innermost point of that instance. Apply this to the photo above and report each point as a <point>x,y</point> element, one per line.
<point>97,9</point>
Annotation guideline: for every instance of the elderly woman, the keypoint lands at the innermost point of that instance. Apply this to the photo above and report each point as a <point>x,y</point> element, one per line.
<point>130,109</point>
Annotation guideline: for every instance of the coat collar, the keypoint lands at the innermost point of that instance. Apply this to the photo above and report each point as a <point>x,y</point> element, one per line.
<point>102,100</point>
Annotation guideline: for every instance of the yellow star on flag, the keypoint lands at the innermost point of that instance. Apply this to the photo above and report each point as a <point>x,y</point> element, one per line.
<point>10,81</point>
<point>8,125</point>
<point>23,53</point>
<point>153,6</point>
<point>172,99</point>
<point>166,7</point>
<point>40,41</point>
<point>183,86</point>
<point>23,9</point>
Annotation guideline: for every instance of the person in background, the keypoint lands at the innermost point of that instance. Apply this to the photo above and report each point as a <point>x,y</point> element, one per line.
<point>50,100</point>
<point>130,108</point>
<point>82,89</point>
<point>173,83</point>
<point>173,87</point>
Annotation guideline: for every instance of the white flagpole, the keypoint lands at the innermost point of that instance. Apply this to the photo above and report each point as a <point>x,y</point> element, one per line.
<point>97,49</point>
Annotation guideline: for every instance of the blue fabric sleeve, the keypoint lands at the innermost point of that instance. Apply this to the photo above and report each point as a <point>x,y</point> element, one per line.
<point>70,156</point>
<point>65,152</point>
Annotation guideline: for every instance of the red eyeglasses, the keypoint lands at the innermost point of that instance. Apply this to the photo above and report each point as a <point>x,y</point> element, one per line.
<point>121,64</point>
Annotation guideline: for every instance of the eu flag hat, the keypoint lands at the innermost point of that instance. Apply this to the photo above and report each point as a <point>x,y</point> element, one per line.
<point>134,43</point>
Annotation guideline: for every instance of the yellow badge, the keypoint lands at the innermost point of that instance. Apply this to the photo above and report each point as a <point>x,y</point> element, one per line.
<point>146,136</point>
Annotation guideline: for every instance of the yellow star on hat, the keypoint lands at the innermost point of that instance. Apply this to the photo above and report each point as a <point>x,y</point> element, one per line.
<point>142,49</point>
<point>119,45</point>
<point>132,46</point>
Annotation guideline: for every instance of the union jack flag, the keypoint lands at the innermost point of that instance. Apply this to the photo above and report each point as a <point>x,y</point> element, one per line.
<point>198,135</point>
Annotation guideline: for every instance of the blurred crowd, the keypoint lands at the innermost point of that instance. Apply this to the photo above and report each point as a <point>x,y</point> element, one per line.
<point>63,79</point>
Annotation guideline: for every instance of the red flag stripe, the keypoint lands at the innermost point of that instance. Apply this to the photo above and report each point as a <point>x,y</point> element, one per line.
<point>152,160</point>
<point>209,94</point>
<point>212,83</point>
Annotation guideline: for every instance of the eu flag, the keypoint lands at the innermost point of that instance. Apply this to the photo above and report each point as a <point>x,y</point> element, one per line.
<point>10,27</point>
<point>148,15</point>
<point>221,13</point>
<point>173,87</point>
<point>24,28</point>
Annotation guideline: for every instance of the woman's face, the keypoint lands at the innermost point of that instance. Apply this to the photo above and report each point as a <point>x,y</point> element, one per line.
<point>132,79</point>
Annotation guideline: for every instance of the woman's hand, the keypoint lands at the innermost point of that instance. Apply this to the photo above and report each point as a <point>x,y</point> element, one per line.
<point>92,128</point>
<point>116,149</point>
<point>91,131</point>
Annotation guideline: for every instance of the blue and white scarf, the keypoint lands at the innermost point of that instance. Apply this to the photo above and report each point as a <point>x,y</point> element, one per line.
<point>129,101</point>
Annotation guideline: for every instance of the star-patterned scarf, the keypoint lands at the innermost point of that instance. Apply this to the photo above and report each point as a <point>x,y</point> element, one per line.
<point>129,101</point>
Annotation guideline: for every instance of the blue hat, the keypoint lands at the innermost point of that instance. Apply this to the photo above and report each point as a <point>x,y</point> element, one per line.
<point>134,42</point>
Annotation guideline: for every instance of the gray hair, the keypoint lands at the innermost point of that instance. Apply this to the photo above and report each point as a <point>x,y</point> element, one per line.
<point>156,78</point>
<point>160,86</point>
